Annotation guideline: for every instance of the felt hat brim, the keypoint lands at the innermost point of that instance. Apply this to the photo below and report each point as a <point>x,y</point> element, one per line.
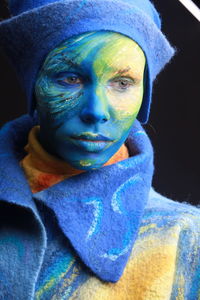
<point>29,37</point>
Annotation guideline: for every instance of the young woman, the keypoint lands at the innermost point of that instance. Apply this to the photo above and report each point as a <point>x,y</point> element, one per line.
<point>79,218</point>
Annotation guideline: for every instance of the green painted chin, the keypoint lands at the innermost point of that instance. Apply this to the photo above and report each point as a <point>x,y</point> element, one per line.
<point>88,165</point>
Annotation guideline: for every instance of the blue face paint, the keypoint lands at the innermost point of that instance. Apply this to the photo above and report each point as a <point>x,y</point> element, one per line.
<point>89,92</point>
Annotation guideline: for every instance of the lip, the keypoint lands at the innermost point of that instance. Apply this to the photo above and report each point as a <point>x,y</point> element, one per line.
<point>91,142</point>
<point>93,137</point>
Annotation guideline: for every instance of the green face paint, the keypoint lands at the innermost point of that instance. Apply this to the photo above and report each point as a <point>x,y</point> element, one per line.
<point>89,92</point>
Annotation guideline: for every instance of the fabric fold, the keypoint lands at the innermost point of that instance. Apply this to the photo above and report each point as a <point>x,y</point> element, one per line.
<point>99,214</point>
<point>21,247</point>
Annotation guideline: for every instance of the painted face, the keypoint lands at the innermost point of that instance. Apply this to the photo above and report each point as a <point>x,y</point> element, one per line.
<point>89,92</point>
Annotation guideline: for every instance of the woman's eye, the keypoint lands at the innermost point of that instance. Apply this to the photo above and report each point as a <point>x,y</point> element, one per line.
<point>71,80</point>
<point>122,84</point>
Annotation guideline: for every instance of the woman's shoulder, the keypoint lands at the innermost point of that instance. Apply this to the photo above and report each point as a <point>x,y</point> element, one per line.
<point>164,210</point>
<point>157,200</point>
<point>166,254</point>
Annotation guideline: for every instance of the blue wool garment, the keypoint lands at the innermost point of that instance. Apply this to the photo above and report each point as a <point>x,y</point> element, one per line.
<point>39,250</point>
<point>39,26</point>
<point>101,217</point>
<point>21,225</point>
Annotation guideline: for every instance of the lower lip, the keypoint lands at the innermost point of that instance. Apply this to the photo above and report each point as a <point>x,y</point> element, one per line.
<point>91,146</point>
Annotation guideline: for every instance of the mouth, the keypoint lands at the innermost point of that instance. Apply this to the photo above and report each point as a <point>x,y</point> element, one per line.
<point>91,142</point>
<point>92,137</point>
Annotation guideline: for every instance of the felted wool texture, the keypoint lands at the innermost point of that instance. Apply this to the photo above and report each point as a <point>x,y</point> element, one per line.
<point>100,211</point>
<point>167,230</point>
<point>164,263</point>
<point>62,270</point>
<point>106,254</point>
<point>160,265</point>
<point>41,29</point>
<point>22,237</point>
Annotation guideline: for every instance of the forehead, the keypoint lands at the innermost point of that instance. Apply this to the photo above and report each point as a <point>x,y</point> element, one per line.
<point>102,51</point>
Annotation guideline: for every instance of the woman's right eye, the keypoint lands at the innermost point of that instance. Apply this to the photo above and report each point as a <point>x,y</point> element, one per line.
<point>71,80</point>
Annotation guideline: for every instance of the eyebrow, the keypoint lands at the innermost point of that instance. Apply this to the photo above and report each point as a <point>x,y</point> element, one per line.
<point>123,71</point>
<point>71,63</point>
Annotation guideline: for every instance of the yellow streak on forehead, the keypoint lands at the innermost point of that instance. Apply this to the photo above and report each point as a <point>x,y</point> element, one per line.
<point>120,53</point>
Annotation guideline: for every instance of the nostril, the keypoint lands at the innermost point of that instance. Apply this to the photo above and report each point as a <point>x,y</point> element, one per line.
<point>94,116</point>
<point>104,120</point>
<point>88,119</point>
<point>94,119</point>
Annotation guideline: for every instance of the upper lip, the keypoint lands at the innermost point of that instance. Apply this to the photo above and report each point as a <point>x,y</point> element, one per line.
<point>89,136</point>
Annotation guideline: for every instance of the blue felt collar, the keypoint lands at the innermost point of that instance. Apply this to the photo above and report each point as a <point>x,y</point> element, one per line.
<point>99,211</point>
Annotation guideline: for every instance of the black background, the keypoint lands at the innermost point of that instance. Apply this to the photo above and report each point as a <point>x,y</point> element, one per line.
<point>174,123</point>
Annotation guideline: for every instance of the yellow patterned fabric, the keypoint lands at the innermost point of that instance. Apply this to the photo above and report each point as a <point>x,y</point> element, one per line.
<point>156,269</point>
<point>164,263</point>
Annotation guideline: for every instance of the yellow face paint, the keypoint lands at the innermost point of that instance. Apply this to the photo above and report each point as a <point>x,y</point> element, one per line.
<point>121,59</point>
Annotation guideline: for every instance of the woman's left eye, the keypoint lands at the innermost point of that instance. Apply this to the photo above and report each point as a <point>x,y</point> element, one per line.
<point>122,84</point>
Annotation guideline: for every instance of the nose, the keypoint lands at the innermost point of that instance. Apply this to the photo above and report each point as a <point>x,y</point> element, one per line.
<point>95,109</point>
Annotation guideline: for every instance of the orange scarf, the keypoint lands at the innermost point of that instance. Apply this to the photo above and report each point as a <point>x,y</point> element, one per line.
<point>44,170</point>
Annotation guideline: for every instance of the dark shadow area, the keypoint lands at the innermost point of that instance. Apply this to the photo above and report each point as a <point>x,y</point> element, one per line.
<point>174,122</point>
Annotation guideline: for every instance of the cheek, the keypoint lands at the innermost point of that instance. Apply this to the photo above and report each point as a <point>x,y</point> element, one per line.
<point>126,105</point>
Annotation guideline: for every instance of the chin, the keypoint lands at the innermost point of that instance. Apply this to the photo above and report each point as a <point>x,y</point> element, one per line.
<point>85,165</point>
<point>88,162</point>
<point>89,168</point>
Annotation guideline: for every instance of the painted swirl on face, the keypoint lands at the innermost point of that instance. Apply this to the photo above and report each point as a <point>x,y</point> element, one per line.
<point>91,83</point>
<point>53,97</point>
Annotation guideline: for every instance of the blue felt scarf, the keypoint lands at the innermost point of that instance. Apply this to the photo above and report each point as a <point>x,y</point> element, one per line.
<point>98,211</point>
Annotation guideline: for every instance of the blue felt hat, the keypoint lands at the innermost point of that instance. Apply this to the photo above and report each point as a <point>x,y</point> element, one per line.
<point>38,26</point>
